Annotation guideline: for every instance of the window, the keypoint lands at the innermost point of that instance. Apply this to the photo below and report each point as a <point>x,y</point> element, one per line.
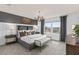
<point>52,27</point>
<point>48,27</point>
<point>56,27</point>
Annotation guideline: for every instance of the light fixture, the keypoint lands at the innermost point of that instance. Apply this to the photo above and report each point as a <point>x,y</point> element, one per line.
<point>39,17</point>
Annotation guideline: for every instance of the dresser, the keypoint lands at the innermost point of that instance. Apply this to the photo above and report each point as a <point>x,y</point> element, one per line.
<point>72,45</point>
<point>72,49</point>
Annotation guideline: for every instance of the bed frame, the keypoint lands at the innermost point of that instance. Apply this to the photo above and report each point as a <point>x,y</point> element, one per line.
<point>26,45</point>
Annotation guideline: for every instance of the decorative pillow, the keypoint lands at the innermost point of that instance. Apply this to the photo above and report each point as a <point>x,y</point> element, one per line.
<point>25,33</point>
<point>22,34</point>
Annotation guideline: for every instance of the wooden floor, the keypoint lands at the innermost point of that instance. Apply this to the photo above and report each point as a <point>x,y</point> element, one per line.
<point>72,49</point>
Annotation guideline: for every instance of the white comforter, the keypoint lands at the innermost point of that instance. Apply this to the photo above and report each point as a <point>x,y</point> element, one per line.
<point>31,38</point>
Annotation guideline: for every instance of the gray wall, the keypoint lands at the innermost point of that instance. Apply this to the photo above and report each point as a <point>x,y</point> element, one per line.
<point>10,18</point>
<point>5,17</point>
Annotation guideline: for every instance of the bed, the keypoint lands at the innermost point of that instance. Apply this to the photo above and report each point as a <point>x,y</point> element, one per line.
<point>31,41</point>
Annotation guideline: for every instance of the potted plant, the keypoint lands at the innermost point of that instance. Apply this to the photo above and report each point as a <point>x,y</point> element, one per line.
<point>76,30</point>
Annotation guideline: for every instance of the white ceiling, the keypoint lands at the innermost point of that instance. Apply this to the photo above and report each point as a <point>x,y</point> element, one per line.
<point>31,10</point>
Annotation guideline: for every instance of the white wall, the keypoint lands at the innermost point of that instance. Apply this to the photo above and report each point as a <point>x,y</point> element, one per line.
<point>5,29</point>
<point>72,19</point>
<point>2,33</point>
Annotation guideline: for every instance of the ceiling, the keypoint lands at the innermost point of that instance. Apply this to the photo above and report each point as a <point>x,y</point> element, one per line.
<point>47,10</point>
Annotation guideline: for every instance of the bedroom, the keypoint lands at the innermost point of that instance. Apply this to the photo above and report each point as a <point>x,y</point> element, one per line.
<point>16,29</point>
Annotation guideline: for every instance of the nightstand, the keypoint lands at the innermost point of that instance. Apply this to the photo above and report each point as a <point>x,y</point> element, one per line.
<point>10,38</point>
